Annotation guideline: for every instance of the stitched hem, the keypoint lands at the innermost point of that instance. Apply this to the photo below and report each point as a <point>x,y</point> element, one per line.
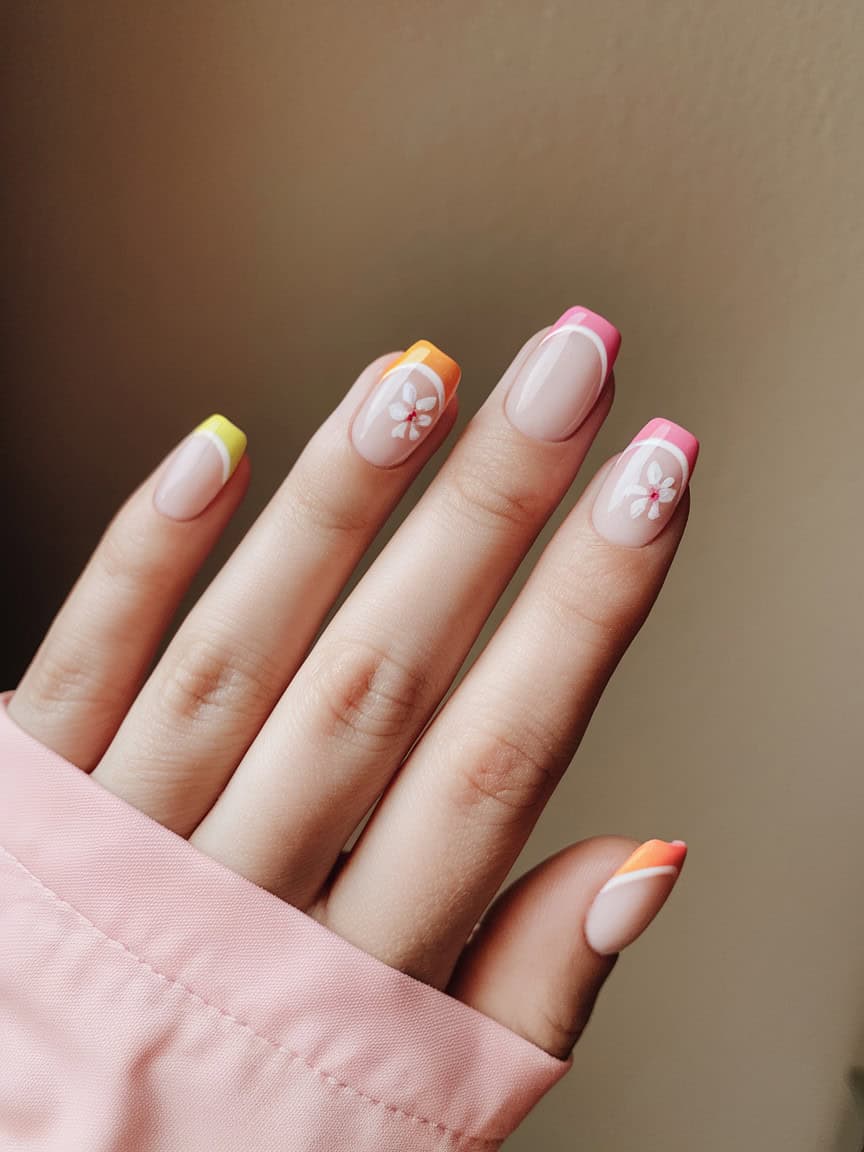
<point>294,1056</point>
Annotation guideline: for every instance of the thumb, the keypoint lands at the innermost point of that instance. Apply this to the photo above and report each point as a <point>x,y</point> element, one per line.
<point>543,951</point>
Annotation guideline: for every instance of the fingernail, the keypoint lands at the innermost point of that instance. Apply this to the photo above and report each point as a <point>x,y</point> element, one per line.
<point>645,484</point>
<point>405,405</point>
<point>200,468</point>
<point>559,383</point>
<point>626,904</point>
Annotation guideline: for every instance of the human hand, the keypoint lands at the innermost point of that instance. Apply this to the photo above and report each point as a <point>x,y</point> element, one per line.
<point>267,751</point>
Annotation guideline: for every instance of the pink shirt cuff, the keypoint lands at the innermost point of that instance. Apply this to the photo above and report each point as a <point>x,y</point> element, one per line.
<point>151,999</point>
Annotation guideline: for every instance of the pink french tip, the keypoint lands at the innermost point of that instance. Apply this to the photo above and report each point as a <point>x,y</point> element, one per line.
<point>599,325</point>
<point>643,488</point>
<point>672,433</point>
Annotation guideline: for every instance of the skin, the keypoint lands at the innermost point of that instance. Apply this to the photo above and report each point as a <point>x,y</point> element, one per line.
<point>224,739</point>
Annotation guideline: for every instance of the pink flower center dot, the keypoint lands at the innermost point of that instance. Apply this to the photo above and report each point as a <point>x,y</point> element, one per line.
<point>654,494</point>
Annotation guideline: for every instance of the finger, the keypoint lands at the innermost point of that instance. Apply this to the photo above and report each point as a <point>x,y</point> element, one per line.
<point>534,965</point>
<point>388,656</point>
<point>447,832</point>
<point>241,643</point>
<point>88,668</point>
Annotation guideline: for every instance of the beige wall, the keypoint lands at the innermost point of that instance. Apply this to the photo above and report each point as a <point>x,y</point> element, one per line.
<point>235,206</point>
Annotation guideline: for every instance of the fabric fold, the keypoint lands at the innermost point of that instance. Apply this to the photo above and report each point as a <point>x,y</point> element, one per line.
<point>152,999</point>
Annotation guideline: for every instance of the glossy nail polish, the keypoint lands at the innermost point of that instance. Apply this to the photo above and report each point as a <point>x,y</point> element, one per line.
<point>626,904</point>
<point>645,484</point>
<point>405,405</point>
<point>560,382</point>
<point>199,468</point>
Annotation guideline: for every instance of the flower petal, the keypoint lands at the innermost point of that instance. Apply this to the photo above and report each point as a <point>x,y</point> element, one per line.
<point>398,410</point>
<point>409,393</point>
<point>635,490</point>
<point>654,473</point>
<point>413,434</point>
<point>423,421</point>
<point>664,495</point>
<point>426,404</point>
<point>638,507</point>
<point>668,482</point>
<point>654,510</point>
<point>400,429</point>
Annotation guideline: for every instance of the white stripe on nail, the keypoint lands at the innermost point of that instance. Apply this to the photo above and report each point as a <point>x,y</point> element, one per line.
<point>672,449</point>
<point>592,336</point>
<point>424,370</point>
<point>639,874</point>
<point>224,455</point>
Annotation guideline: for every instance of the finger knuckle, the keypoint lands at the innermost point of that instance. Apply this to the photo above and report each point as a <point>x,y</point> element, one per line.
<point>599,604</point>
<point>366,695</point>
<point>130,558</point>
<point>313,499</point>
<point>62,680</point>
<point>209,676</point>
<point>486,495</point>
<point>503,775</point>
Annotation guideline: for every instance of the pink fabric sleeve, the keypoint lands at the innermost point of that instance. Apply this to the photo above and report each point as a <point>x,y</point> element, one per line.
<point>151,999</point>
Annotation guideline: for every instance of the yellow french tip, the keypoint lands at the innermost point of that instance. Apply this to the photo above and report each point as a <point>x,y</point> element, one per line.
<point>232,437</point>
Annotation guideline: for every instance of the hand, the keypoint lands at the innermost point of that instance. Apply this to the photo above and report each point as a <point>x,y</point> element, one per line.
<point>267,751</point>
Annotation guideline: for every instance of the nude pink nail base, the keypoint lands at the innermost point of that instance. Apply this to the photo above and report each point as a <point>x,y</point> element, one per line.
<point>646,483</point>
<point>560,382</point>
<point>405,405</point>
<point>200,468</point>
<point>629,900</point>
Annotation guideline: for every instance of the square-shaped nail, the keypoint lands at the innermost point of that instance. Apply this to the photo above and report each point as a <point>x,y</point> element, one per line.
<point>629,901</point>
<point>645,484</point>
<point>405,404</point>
<point>560,382</point>
<point>199,468</point>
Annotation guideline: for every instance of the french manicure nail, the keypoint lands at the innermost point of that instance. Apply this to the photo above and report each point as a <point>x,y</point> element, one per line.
<point>562,378</point>
<point>626,904</point>
<point>200,468</point>
<point>645,484</point>
<point>405,405</point>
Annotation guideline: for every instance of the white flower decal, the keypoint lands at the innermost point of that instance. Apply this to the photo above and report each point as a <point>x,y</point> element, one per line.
<point>660,491</point>
<point>411,413</point>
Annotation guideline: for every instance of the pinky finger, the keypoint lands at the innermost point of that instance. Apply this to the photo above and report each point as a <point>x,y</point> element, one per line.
<point>576,910</point>
<point>97,651</point>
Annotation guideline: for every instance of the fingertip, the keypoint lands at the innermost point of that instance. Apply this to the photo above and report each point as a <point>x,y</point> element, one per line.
<point>642,490</point>
<point>632,897</point>
<point>542,915</point>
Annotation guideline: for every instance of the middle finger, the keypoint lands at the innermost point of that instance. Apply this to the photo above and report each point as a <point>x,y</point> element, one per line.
<point>352,712</point>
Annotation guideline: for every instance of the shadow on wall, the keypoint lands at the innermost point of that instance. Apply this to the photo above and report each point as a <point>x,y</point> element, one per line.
<point>850,1134</point>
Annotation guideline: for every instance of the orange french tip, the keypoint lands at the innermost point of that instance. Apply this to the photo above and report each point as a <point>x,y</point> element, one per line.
<point>655,854</point>
<point>424,352</point>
